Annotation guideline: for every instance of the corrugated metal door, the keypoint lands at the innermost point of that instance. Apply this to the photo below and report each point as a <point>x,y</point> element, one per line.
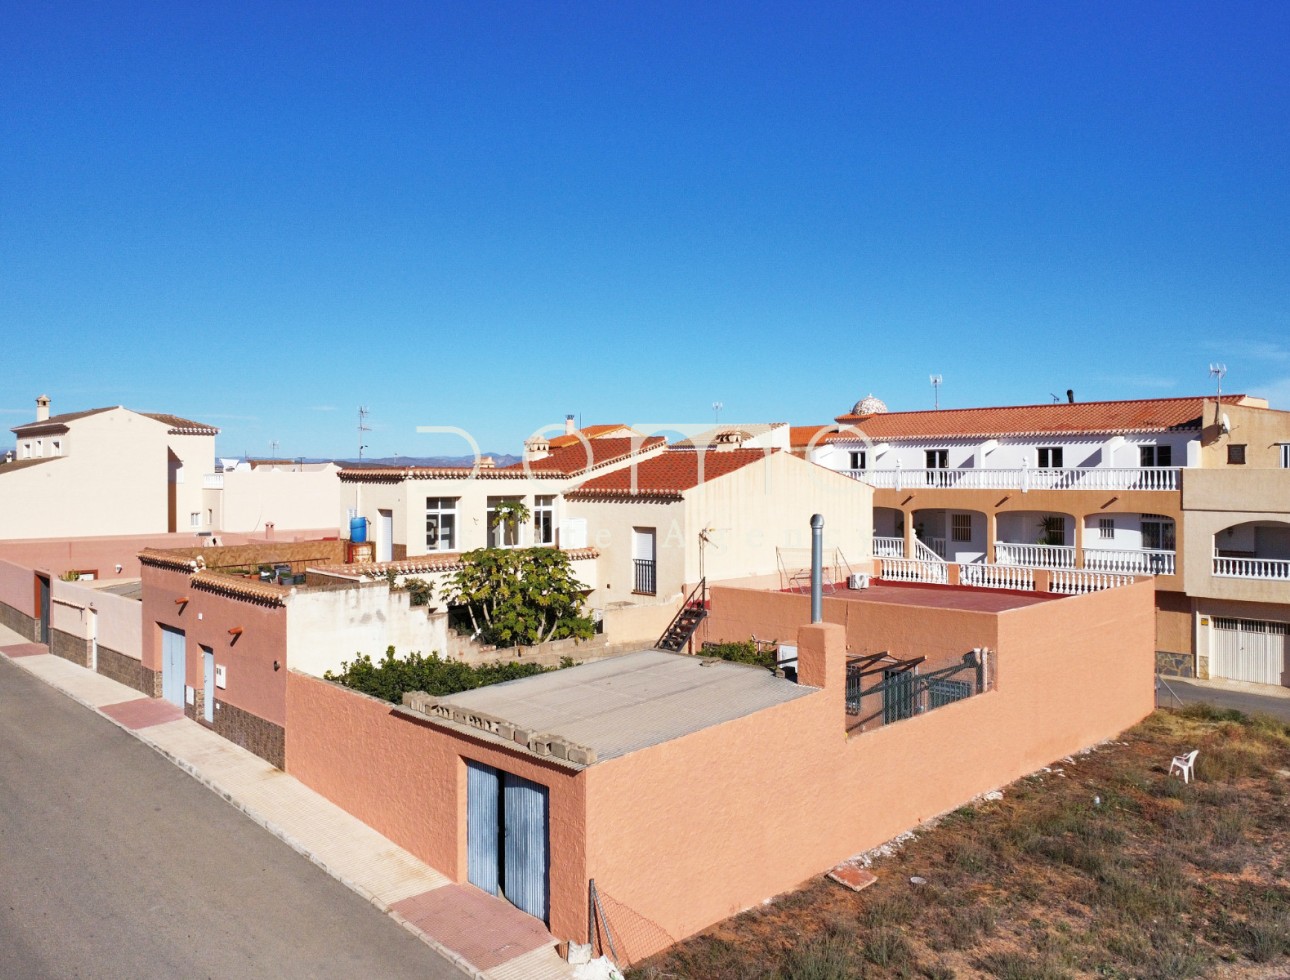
<point>1249,650</point>
<point>483,820</point>
<point>43,584</point>
<point>525,845</point>
<point>173,661</point>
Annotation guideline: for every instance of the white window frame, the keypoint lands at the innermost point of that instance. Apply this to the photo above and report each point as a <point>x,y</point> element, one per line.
<point>937,459</point>
<point>505,535</point>
<point>444,534</point>
<point>1106,528</point>
<point>56,447</point>
<point>195,518</point>
<point>1151,455</point>
<point>26,450</point>
<point>544,521</point>
<point>859,459</point>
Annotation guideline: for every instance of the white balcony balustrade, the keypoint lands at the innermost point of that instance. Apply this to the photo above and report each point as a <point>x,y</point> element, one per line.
<point>888,547</point>
<point>1144,561</point>
<point>1035,555</point>
<point>1271,569</point>
<point>1025,478</point>
<point>213,481</point>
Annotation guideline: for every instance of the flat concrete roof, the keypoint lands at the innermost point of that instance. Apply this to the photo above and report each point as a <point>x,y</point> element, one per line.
<point>966,598</point>
<point>624,704</point>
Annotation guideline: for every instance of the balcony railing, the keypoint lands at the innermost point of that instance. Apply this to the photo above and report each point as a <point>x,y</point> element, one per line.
<point>1272,569</point>
<point>1025,478</point>
<point>1138,561</point>
<point>885,547</point>
<point>213,481</point>
<point>646,583</point>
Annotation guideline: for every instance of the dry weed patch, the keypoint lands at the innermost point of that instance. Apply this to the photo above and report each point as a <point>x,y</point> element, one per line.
<point>1104,867</point>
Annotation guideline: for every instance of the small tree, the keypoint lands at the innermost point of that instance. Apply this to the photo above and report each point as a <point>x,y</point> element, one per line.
<point>520,596</point>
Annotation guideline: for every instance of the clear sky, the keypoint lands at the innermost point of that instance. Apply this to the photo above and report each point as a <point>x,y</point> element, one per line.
<point>489,215</point>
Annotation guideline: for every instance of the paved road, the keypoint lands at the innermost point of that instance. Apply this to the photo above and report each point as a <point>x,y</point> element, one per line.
<point>1246,698</point>
<point>113,863</point>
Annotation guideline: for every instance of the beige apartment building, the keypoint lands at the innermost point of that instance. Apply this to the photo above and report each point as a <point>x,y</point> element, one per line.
<point>1194,491</point>
<point>106,471</point>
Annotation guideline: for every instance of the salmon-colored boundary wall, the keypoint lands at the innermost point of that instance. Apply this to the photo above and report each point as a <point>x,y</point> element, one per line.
<point>693,830</point>
<point>407,780</point>
<point>252,683</point>
<point>58,555</point>
<point>18,587</point>
<point>940,635</point>
<point>683,834</point>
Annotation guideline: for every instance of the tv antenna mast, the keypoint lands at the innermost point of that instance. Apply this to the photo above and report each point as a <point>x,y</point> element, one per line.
<point>363,427</point>
<point>716,411</point>
<point>273,449</point>
<point>1217,371</point>
<point>936,381</point>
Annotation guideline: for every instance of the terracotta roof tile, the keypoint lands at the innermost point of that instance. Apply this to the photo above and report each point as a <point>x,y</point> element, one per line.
<point>443,561</point>
<point>1142,415</point>
<point>177,425</point>
<point>588,432</point>
<point>22,464</point>
<point>60,420</point>
<point>801,436</point>
<point>667,475</point>
<point>182,426</point>
<point>241,588</point>
<point>580,457</point>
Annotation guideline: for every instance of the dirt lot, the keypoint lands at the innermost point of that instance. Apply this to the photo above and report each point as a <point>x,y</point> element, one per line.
<point>1104,866</point>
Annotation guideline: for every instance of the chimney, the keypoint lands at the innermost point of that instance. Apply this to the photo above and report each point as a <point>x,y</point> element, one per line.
<point>569,427</point>
<point>1070,396</point>
<point>817,568</point>
<point>487,463</point>
<point>42,408</point>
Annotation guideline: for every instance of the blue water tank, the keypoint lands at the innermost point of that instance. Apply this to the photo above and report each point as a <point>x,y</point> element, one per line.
<point>358,529</point>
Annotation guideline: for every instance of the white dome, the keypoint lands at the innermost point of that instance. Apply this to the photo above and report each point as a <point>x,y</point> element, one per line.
<point>869,405</point>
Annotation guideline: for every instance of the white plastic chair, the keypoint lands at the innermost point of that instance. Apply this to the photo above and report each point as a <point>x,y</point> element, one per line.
<point>1183,764</point>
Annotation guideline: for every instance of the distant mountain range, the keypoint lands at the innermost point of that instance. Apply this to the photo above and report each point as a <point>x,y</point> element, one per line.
<point>499,459</point>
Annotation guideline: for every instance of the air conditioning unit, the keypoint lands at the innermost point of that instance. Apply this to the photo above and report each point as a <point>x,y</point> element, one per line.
<point>857,580</point>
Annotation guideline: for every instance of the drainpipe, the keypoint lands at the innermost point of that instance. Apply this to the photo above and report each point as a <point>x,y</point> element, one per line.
<point>817,568</point>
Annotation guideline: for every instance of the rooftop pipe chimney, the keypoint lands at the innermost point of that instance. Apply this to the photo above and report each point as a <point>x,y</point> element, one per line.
<point>1070,396</point>
<point>817,568</point>
<point>568,425</point>
<point>42,408</point>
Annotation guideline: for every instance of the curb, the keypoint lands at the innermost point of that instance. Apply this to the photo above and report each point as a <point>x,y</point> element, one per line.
<point>454,958</point>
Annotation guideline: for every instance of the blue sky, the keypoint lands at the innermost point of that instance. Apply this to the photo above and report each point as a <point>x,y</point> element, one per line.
<point>489,215</point>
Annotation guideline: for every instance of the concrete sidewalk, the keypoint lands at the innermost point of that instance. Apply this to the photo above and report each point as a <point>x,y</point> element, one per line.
<point>484,936</point>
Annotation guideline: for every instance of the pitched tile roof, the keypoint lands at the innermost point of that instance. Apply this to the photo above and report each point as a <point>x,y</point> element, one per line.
<point>801,436</point>
<point>668,475</point>
<point>22,464</point>
<point>579,457</point>
<point>1102,418</point>
<point>175,424</point>
<point>588,432</point>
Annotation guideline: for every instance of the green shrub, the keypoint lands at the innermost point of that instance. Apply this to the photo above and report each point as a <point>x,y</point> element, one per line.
<point>741,652</point>
<point>393,677</point>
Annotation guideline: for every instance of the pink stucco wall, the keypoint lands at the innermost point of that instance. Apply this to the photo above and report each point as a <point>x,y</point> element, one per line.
<point>682,834</point>
<point>17,587</point>
<point>253,684</point>
<point>407,780</point>
<point>690,831</point>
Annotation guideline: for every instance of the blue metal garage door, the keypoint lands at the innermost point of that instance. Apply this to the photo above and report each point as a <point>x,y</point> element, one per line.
<point>507,845</point>
<point>173,662</point>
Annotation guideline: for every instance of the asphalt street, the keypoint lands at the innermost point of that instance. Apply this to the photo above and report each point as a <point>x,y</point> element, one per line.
<point>1250,699</point>
<point>113,863</point>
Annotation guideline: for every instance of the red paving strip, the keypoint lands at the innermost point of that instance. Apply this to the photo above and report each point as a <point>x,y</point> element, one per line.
<point>142,712</point>
<point>24,650</point>
<point>484,930</point>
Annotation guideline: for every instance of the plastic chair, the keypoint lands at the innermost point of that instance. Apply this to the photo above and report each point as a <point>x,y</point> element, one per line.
<point>1183,764</point>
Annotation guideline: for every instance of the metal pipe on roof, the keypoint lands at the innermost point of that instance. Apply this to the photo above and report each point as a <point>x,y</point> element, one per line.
<point>817,568</point>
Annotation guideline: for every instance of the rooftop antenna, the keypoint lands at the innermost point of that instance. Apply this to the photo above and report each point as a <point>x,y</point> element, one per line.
<point>1217,371</point>
<point>363,413</point>
<point>273,449</point>
<point>936,381</point>
<point>716,412</point>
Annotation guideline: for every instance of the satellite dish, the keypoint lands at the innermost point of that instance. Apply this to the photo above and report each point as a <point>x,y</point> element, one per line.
<point>1225,424</point>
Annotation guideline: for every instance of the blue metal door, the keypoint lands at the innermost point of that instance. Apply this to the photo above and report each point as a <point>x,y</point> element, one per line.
<point>483,819</point>
<point>208,689</point>
<point>173,660</point>
<point>524,821</point>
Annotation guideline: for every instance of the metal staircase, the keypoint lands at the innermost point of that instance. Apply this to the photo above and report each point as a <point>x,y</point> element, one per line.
<point>693,611</point>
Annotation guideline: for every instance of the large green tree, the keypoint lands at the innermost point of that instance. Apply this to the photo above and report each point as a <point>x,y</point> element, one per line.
<point>520,596</point>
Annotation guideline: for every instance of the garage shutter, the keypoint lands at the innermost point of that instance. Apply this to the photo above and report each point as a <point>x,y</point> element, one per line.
<point>1250,650</point>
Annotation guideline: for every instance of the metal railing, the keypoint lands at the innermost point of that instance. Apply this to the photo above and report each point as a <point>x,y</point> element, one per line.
<point>903,692</point>
<point>1025,478</point>
<point>885,547</point>
<point>646,579</point>
<point>1273,569</point>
